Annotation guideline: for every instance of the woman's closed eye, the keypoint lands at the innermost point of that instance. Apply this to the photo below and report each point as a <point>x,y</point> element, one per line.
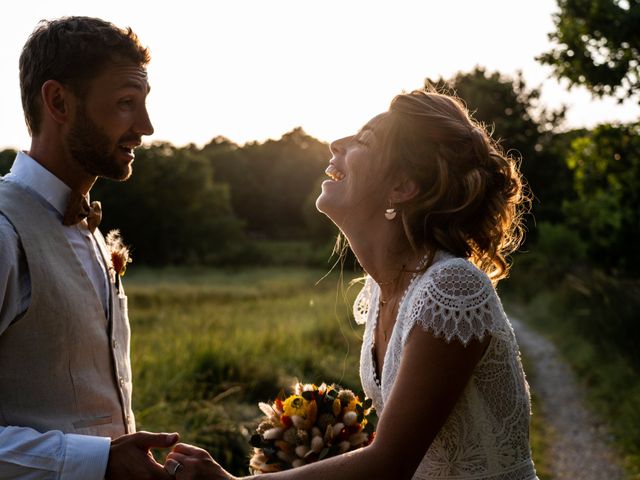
<point>361,139</point>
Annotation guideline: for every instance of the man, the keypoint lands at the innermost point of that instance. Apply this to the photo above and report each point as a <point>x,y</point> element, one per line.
<point>65,375</point>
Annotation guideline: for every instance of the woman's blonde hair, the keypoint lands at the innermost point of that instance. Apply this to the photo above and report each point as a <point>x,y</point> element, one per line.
<point>471,195</point>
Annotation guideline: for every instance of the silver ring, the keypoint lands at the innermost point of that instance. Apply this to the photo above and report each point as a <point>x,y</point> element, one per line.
<point>176,469</point>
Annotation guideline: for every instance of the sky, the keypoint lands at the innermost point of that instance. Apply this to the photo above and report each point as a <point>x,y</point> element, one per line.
<point>251,70</point>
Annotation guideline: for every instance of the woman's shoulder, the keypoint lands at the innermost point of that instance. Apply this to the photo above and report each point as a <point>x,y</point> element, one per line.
<point>454,299</point>
<point>362,303</point>
<point>456,277</point>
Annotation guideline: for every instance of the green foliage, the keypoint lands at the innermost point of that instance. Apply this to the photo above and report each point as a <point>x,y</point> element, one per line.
<point>597,45</point>
<point>606,167</point>
<point>290,252</point>
<point>171,210</point>
<point>557,251</point>
<point>207,345</point>
<point>605,312</point>
<point>6,160</point>
<point>221,204</point>
<point>270,182</point>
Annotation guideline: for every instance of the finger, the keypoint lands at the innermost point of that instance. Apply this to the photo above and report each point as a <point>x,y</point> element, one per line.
<point>160,440</point>
<point>171,466</point>
<point>176,457</point>
<point>190,450</point>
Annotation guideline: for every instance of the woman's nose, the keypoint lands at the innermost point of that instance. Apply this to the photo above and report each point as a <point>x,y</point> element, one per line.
<point>337,146</point>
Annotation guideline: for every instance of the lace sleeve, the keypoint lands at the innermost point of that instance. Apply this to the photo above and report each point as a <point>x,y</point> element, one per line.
<point>362,302</point>
<point>455,300</point>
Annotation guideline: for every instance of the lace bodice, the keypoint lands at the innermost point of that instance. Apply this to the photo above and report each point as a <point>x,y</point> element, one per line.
<point>486,437</point>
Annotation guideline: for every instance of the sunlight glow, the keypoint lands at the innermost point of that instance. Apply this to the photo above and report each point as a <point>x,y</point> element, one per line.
<point>252,70</point>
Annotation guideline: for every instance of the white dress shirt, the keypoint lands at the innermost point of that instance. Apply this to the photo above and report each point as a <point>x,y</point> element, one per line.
<point>24,452</point>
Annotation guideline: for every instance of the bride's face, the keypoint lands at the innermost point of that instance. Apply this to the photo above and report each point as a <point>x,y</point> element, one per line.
<point>354,190</point>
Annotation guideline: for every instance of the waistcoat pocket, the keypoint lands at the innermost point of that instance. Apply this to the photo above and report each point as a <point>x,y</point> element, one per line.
<point>92,422</point>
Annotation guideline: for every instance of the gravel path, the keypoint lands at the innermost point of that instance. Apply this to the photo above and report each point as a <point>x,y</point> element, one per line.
<point>578,447</point>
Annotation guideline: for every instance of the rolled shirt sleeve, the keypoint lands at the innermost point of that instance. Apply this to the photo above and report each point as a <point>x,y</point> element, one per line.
<point>28,454</point>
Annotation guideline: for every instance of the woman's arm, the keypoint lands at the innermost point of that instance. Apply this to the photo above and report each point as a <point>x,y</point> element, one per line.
<point>432,376</point>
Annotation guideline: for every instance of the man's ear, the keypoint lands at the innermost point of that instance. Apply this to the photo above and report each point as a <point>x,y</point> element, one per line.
<point>55,101</point>
<point>403,190</point>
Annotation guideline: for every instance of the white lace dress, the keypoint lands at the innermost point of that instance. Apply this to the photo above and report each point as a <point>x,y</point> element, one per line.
<point>486,437</point>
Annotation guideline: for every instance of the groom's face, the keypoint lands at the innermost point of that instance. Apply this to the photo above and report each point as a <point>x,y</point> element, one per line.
<point>109,122</point>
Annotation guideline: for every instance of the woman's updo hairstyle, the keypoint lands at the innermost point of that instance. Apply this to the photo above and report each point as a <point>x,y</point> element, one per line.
<point>471,197</point>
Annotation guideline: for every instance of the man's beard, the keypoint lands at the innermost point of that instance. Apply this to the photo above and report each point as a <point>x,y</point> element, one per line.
<point>91,148</point>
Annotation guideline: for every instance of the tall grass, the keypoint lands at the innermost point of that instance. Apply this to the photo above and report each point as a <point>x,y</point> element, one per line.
<point>208,345</point>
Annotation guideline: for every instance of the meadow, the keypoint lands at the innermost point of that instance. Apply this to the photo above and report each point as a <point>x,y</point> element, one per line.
<point>208,345</point>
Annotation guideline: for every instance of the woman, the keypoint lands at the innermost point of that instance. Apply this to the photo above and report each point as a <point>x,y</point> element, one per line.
<point>430,206</point>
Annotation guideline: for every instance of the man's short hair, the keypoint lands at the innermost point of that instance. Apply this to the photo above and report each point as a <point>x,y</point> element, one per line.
<point>73,51</point>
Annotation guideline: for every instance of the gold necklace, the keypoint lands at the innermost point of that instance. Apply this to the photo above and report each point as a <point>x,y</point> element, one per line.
<point>390,282</point>
<point>392,304</point>
<point>382,303</point>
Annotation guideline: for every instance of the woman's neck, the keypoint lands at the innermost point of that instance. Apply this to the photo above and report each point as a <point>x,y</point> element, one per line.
<point>386,256</point>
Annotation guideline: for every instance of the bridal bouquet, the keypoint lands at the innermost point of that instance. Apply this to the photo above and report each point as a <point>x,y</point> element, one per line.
<point>310,424</point>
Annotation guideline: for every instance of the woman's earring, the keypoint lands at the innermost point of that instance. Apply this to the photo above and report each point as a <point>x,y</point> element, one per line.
<point>390,213</point>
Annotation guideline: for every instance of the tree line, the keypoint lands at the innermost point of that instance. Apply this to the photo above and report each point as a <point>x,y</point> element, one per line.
<point>211,205</point>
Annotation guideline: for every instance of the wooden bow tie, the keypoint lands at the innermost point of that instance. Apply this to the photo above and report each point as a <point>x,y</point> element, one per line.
<point>78,208</point>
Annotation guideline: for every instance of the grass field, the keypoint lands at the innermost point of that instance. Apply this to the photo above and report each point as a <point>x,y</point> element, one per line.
<point>208,345</point>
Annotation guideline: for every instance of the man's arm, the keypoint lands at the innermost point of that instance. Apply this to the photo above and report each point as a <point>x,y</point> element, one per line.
<point>26,453</point>
<point>15,287</point>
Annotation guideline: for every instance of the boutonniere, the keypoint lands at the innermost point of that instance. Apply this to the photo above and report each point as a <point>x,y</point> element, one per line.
<point>119,254</point>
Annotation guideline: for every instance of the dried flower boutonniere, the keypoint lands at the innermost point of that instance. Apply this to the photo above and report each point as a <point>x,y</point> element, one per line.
<point>119,254</point>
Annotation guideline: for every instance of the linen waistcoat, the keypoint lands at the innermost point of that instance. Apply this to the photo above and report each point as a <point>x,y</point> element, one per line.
<point>64,365</point>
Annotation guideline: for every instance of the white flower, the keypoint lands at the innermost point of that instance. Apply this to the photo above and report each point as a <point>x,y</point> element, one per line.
<point>302,450</point>
<point>273,433</point>
<point>299,422</point>
<point>350,418</point>
<point>344,446</point>
<point>298,462</point>
<point>358,438</point>
<point>317,443</point>
<point>267,409</point>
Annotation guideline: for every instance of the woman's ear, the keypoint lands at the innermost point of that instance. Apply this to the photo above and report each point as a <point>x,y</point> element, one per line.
<point>55,101</point>
<point>403,190</point>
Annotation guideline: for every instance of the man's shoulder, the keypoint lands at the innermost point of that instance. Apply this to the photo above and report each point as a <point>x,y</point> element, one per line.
<point>6,227</point>
<point>8,235</point>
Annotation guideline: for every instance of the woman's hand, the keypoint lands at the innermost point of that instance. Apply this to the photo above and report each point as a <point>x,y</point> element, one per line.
<point>187,462</point>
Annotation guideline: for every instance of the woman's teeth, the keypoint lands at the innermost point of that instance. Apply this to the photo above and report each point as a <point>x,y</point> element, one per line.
<point>334,174</point>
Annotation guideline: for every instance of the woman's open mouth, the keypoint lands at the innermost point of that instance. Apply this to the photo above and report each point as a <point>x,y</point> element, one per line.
<point>333,173</point>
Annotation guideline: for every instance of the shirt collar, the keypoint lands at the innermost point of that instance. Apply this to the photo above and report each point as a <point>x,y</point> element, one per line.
<point>29,173</point>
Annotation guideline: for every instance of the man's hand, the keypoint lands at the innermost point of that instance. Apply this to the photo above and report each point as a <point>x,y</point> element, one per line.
<point>130,458</point>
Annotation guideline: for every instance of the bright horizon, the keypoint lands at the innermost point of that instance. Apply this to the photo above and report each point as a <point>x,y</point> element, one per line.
<point>254,70</point>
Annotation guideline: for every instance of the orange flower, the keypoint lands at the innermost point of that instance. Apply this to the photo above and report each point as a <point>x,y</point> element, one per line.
<point>119,252</point>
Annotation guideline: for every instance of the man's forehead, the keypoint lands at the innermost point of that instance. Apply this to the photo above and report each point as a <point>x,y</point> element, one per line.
<point>123,75</point>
